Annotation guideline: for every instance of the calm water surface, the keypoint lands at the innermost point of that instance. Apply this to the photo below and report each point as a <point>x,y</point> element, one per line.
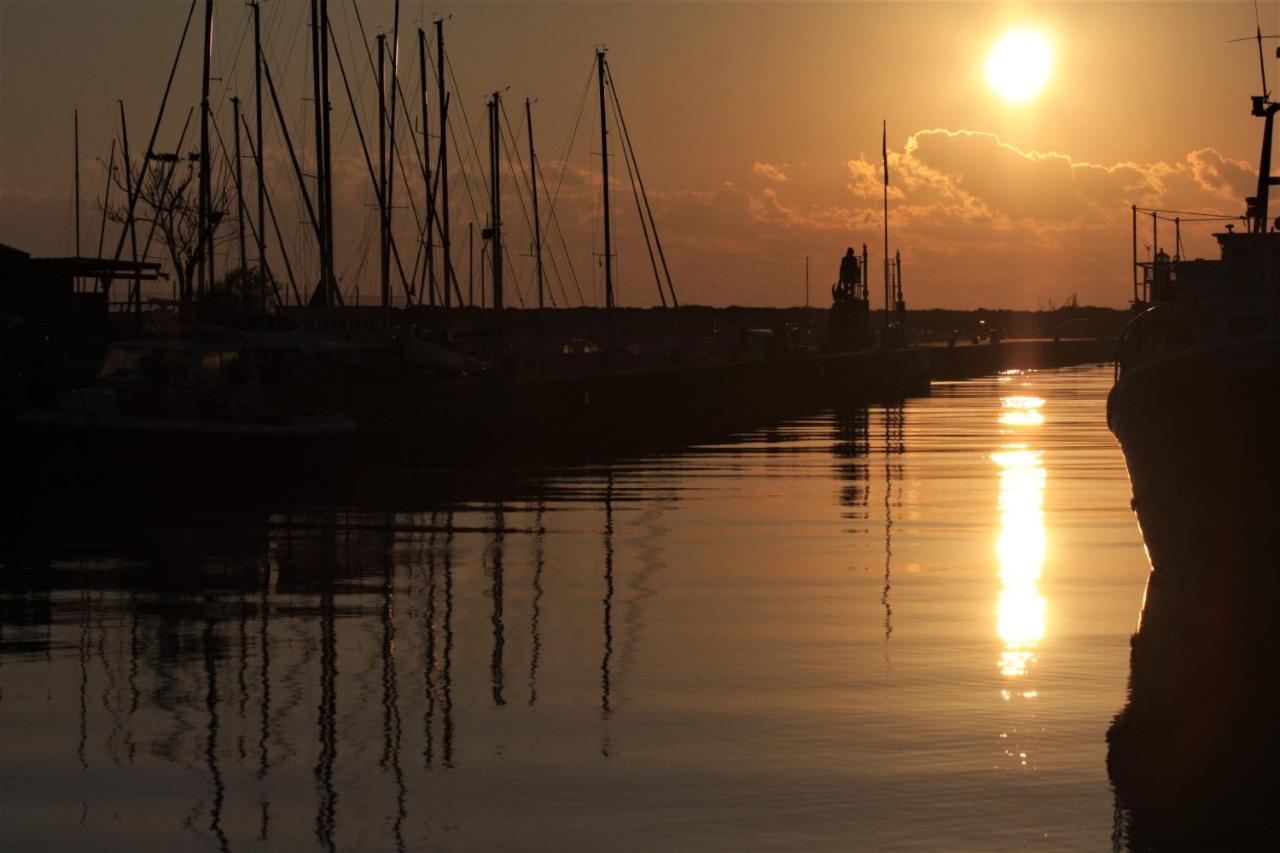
<point>899,627</point>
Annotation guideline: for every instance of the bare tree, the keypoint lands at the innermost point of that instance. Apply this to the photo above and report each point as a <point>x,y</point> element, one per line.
<point>168,204</point>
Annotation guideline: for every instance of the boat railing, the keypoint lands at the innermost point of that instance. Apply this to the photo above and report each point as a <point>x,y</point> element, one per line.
<point>1202,327</point>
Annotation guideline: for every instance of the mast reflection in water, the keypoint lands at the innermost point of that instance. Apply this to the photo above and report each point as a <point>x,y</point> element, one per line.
<point>781,639</point>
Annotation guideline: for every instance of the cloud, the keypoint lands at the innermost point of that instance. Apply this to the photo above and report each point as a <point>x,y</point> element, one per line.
<point>770,172</point>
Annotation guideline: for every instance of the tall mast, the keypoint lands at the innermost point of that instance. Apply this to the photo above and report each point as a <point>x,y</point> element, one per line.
<point>604,170</point>
<point>430,271</point>
<point>130,222</point>
<point>884,154</point>
<point>235,118</point>
<point>389,191</point>
<point>317,109</point>
<point>447,269</point>
<point>384,245</point>
<point>495,198</point>
<point>533,176</point>
<point>262,184</point>
<point>204,247</point>
<point>76,154</point>
<point>331,294</point>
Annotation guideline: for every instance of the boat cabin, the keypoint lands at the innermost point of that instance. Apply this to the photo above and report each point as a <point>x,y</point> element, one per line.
<point>174,379</point>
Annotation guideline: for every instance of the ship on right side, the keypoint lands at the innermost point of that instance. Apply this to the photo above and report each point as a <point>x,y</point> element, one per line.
<point>1195,754</point>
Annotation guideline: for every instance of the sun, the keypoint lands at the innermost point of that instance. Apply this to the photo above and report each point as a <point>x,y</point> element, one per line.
<point>1018,65</point>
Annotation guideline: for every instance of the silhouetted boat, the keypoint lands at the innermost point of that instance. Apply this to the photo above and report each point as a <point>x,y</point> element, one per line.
<point>1195,754</point>
<point>177,406</point>
<point>1195,404</point>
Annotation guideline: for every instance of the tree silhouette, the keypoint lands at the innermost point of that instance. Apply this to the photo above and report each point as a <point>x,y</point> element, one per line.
<point>168,201</point>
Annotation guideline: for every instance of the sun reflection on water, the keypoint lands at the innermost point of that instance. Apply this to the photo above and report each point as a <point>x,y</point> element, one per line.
<point>1020,548</point>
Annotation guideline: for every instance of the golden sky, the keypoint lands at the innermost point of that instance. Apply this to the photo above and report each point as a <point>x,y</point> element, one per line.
<point>757,127</point>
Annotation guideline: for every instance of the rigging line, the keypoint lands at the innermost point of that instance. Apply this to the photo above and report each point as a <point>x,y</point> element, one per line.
<point>626,137</point>
<point>368,162</point>
<point>551,214</point>
<point>573,135</point>
<point>524,209</point>
<point>635,191</point>
<point>132,197</point>
<point>164,187</point>
<point>1187,212</point>
<point>228,85</point>
<point>274,285</point>
<point>527,174</point>
<point>471,137</point>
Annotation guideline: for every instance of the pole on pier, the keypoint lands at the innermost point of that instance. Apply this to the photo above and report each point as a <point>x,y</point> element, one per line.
<point>884,153</point>
<point>806,282</point>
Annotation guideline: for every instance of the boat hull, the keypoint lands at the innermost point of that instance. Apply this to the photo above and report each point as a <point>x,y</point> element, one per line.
<point>1195,754</point>
<point>1201,439</point>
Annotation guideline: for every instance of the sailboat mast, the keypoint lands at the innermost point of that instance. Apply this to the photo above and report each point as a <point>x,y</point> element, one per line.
<point>533,177</point>
<point>330,283</point>
<point>76,154</point>
<point>389,190</point>
<point>384,246</point>
<point>495,198</point>
<point>204,247</point>
<point>235,119</point>
<point>317,103</point>
<point>604,171</point>
<point>430,271</point>
<point>262,181</point>
<point>447,268</point>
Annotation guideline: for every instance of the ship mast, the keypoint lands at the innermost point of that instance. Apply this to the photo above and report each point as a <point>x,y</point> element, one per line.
<point>1264,108</point>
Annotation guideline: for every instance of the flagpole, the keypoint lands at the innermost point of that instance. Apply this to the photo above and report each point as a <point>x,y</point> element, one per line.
<point>884,154</point>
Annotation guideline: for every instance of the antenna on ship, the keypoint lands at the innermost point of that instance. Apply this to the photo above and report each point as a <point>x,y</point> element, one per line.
<point>1264,108</point>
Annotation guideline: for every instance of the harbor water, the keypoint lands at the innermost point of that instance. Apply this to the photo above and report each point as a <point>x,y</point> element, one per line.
<point>886,627</point>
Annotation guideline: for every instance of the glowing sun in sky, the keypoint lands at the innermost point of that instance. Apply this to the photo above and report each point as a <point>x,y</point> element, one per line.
<point>1018,65</point>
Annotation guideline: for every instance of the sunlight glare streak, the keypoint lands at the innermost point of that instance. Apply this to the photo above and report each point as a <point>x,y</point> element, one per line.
<point>1021,546</point>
